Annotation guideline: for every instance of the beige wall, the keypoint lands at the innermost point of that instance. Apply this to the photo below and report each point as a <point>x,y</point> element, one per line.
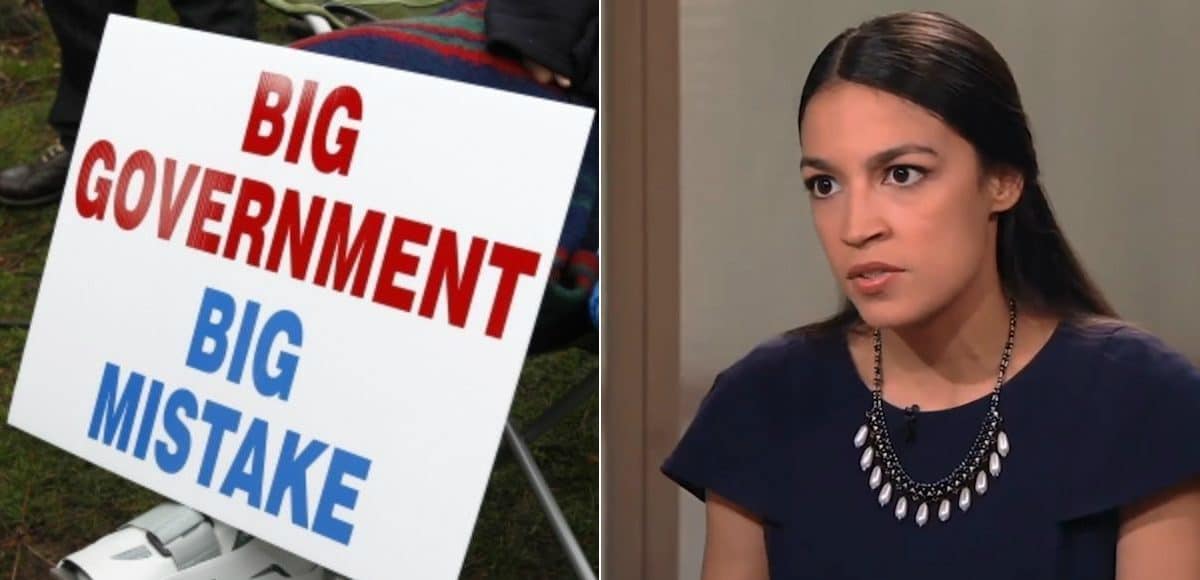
<point>1113,92</point>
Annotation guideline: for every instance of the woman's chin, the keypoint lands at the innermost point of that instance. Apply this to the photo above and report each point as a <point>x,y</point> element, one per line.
<point>888,314</point>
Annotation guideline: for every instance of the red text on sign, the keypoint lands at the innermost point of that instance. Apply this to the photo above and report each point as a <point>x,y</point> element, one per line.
<point>273,120</point>
<point>361,252</point>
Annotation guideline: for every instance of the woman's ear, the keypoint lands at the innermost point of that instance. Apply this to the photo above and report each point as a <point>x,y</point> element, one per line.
<point>1004,189</point>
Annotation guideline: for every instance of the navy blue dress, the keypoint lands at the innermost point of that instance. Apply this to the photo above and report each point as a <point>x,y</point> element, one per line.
<point>1103,415</point>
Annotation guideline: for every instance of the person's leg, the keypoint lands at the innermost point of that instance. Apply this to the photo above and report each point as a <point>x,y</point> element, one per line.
<point>78,26</point>
<point>231,17</point>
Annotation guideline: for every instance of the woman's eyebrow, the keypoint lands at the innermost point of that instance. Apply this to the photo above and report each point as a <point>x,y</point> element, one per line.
<point>888,155</point>
<point>875,161</point>
<point>816,163</point>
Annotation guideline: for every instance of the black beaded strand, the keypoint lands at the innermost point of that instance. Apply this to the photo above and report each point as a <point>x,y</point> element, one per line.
<point>889,476</point>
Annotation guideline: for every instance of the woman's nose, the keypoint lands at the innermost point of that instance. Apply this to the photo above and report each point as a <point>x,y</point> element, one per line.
<point>862,221</point>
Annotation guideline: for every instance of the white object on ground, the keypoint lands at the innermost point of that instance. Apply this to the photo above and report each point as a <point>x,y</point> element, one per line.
<point>174,542</point>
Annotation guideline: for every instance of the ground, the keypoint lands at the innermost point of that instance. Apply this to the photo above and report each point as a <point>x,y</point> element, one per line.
<point>52,503</point>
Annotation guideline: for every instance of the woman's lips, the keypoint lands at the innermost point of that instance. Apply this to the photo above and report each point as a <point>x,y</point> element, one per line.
<point>873,283</point>
<point>872,277</point>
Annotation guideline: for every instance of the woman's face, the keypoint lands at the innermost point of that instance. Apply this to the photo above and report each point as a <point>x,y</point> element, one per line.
<point>900,204</point>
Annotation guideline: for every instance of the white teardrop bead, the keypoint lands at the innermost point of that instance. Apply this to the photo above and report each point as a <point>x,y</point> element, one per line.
<point>901,508</point>
<point>876,477</point>
<point>885,494</point>
<point>944,510</point>
<point>964,499</point>
<point>860,438</point>
<point>868,457</point>
<point>922,515</point>
<point>981,483</point>
<point>994,465</point>
<point>1002,444</point>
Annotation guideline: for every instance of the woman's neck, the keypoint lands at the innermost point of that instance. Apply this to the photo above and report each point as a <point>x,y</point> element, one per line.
<point>953,356</point>
<point>960,345</point>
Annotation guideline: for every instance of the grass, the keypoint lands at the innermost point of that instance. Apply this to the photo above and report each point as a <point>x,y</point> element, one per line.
<point>52,503</point>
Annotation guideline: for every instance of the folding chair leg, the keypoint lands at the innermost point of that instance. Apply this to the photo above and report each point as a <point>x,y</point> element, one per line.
<point>558,522</point>
<point>578,396</point>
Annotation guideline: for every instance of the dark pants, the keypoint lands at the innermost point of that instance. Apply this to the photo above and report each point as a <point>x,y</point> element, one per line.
<point>79,24</point>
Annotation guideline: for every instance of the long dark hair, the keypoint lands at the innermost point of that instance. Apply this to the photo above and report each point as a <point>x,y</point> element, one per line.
<point>939,63</point>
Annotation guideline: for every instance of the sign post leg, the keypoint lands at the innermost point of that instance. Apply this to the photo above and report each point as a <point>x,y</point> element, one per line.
<point>558,522</point>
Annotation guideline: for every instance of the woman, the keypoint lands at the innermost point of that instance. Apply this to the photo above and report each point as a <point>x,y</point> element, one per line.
<point>975,410</point>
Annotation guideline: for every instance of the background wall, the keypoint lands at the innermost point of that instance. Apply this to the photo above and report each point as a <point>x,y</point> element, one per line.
<point>1112,88</point>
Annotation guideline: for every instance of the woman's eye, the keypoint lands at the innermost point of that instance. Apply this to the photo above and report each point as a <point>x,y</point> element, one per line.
<point>822,186</point>
<point>904,175</point>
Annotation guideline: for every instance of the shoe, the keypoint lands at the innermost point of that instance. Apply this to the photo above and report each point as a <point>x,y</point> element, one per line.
<point>37,183</point>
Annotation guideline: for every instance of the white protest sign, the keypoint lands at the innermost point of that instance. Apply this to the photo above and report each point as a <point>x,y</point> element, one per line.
<point>294,292</point>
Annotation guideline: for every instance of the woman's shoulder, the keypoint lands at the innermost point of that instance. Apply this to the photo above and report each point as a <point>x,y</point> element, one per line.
<point>1132,420</point>
<point>787,380</point>
<point>1133,358</point>
<point>1135,347</point>
<point>775,354</point>
<point>738,437</point>
<point>783,360</point>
